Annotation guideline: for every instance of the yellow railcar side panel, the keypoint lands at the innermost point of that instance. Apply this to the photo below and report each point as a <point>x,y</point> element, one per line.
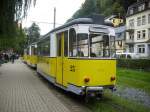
<point>31,59</point>
<point>25,58</point>
<point>69,75</point>
<point>59,74</point>
<point>47,65</point>
<point>52,67</point>
<point>73,71</point>
<point>98,71</point>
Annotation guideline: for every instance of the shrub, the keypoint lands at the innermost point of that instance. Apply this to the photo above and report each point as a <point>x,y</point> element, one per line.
<point>143,64</point>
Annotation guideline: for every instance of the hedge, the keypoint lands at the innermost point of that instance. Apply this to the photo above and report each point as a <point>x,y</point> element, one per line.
<point>142,64</point>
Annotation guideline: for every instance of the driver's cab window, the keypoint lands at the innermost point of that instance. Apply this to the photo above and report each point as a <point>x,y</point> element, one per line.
<point>82,45</point>
<point>78,44</point>
<point>33,50</point>
<point>99,45</point>
<point>72,43</point>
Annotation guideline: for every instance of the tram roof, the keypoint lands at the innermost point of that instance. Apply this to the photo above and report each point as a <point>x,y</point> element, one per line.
<point>75,21</point>
<point>92,19</point>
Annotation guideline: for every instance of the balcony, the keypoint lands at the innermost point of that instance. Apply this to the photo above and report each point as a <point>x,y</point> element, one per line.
<point>130,29</point>
<point>129,41</point>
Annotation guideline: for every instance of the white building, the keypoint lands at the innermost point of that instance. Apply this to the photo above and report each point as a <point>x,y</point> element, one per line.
<point>120,39</point>
<point>138,29</point>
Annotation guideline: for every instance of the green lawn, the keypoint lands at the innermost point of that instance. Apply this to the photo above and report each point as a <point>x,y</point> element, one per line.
<point>113,103</point>
<point>134,79</point>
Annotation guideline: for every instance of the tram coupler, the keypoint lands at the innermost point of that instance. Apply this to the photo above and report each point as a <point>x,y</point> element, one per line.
<point>113,88</point>
<point>91,92</point>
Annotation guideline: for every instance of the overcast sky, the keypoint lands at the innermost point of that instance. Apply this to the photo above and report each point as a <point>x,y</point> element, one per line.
<point>43,13</point>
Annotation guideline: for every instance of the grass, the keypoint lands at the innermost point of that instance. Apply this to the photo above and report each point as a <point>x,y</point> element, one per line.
<point>113,103</point>
<point>134,79</point>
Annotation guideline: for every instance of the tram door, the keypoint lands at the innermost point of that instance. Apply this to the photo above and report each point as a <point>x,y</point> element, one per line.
<point>60,55</point>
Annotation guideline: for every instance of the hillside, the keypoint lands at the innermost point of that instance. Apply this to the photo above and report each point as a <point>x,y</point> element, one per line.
<point>104,7</point>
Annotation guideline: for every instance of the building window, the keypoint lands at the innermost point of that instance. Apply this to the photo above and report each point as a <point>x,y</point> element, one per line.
<point>143,20</point>
<point>149,33</point>
<point>120,43</point>
<point>131,11</point>
<point>141,7</point>
<point>131,23</point>
<point>138,35</point>
<point>131,36</point>
<point>139,21</point>
<point>141,48</point>
<point>143,34</point>
<point>148,18</point>
<point>131,49</point>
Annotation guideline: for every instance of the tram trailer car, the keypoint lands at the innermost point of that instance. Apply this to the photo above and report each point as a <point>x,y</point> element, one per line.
<point>24,59</point>
<point>30,55</point>
<point>78,57</point>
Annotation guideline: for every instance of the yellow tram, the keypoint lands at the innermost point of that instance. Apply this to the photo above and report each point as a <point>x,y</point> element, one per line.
<point>30,55</point>
<point>78,57</point>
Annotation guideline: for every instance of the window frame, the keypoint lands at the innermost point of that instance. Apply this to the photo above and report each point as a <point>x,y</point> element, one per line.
<point>149,17</point>
<point>71,42</point>
<point>143,34</point>
<point>131,23</point>
<point>143,20</point>
<point>66,53</point>
<point>138,35</point>
<point>149,33</point>
<point>141,49</point>
<point>139,21</point>
<point>141,7</point>
<point>81,44</point>
<point>40,48</point>
<point>131,11</point>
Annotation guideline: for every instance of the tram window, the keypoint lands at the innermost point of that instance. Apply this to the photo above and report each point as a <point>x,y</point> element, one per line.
<point>58,44</point>
<point>39,48</point>
<point>72,43</point>
<point>44,47</point>
<point>27,51</point>
<point>82,45</point>
<point>66,43</point>
<point>99,45</point>
<point>33,50</point>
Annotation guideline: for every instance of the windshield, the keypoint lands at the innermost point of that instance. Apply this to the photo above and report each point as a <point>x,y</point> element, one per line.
<point>92,45</point>
<point>101,46</point>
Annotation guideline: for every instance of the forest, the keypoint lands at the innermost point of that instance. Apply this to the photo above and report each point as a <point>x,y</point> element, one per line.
<point>103,7</point>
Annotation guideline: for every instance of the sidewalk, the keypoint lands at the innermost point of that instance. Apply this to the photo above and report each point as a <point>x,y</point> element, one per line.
<point>22,91</point>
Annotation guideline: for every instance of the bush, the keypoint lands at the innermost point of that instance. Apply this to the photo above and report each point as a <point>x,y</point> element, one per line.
<point>142,64</point>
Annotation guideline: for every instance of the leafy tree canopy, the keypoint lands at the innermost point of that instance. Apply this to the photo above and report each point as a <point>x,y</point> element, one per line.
<point>11,34</point>
<point>33,33</point>
<point>104,7</point>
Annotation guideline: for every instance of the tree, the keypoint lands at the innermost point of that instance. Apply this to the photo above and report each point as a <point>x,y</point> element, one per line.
<point>88,8</point>
<point>33,33</point>
<point>11,12</point>
<point>103,7</point>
